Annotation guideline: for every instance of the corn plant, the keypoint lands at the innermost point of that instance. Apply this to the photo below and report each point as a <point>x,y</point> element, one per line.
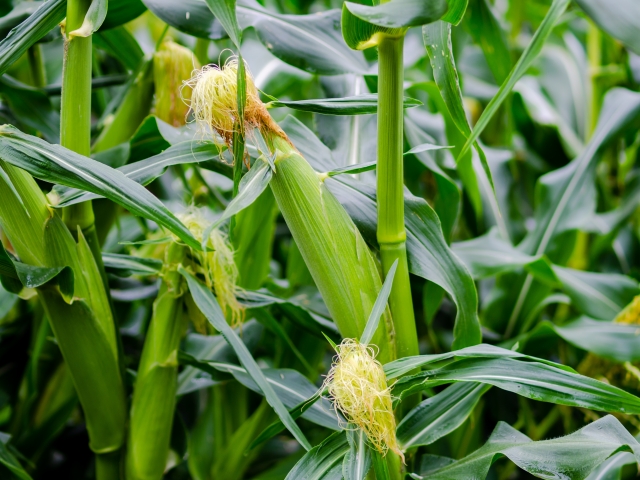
<point>319,239</point>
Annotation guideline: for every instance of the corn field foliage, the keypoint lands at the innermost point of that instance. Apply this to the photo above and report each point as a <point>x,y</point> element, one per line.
<point>308,239</point>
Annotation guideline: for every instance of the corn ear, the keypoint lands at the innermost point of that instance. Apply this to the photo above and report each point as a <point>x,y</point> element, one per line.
<point>154,394</point>
<point>84,329</point>
<point>172,65</point>
<point>337,256</point>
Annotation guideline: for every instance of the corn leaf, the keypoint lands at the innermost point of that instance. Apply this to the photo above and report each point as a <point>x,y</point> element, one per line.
<point>615,341</point>
<point>620,19</point>
<point>9,460</point>
<point>573,456</point>
<point>250,188</point>
<point>121,12</point>
<point>535,380</point>
<point>439,415</point>
<point>355,105</point>
<point>599,295</point>
<point>399,13</point>
<point>359,34</point>
<point>437,40</point>
<point>323,462</point>
<point>36,26</point>
<point>127,265</point>
<point>54,163</point>
<point>225,13</point>
<point>399,367</point>
<point>456,11</point>
<point>208,305</point>
<point>611,469</point>
<point>379,306</point>
<point>353,169</point>
<point>193,17</point>
<point>96,14</point>
<point>146,171</point>
<point>357,461</point>
<point>524,62</point>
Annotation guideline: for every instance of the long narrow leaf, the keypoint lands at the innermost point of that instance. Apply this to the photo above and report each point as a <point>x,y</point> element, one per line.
<point>208,305</point>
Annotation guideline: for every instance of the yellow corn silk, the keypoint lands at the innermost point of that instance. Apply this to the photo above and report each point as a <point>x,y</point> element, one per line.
<point>214,102</point>
<point>358,387</point>
<point>172,66</point>
<point>216,265</point>
<point>624,375</point>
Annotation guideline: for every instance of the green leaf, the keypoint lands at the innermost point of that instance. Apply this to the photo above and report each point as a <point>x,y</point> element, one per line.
<point>573,456</point>
<point>323,462</point>
<point>127,265</point>
<point>277,427</point>
<point>439,415</point>
<point>31,107</point>
<point>399,13</point>
<point>379,307</point>
<point>424,147</point>
<point>535,380</point>
<point>404,365</point>
<point>9,460</point>
<point>96,14</point>
<point>599,295</point>
<point>437,40</point>
<point>611,469</point>
<point>620,19</point>
<point>353,169</point>
<point>524,62</point>
<point>39,23</point>
<point>193,17</point>
<point>310,42</point>
<point>296,308</point>
<point>359,34</point>
<point>356,105</point>
<point>122,46</point>
<point>447,203</point>
<point>615,341</point>
<point>208,305</point>
<point>16,16</point>
<point>487,32</point>
<point>203,348</point>
<point>145,171</point>
<point>121,12</point>
<point>357,461</point>
<point>456,11</point>
<point>58,164</point>
<point>251,187</point>
<point>225,13</point>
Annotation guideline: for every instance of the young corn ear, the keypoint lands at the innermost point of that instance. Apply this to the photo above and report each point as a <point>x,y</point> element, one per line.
<point>358,387</point>
<point>154,395</point>
<point>337,256</point>
<point>172,65</point>
<point>216,265</point>
<point>83,325</point>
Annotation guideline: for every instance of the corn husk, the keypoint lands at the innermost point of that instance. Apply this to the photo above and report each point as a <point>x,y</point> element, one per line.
<point>83,326</point>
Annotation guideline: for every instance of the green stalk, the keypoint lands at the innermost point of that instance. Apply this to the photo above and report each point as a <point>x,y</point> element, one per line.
<point>391,233</point>
<point>84,329</point>
<point>154,396</point>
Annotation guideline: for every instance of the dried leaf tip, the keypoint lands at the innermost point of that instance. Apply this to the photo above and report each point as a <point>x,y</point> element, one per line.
<point>358,386</point>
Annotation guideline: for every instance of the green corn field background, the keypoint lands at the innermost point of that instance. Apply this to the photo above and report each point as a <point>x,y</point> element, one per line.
<point>215,213</point>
